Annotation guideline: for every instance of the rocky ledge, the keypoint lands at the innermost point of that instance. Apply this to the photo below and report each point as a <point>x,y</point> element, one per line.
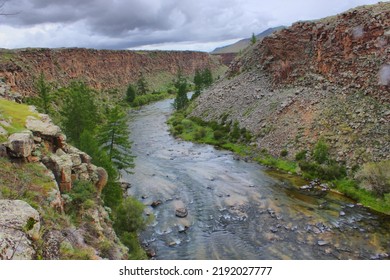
<point>43,147</point>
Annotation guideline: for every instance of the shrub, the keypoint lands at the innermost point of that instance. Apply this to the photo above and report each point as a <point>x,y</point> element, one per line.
<point>375,176</point>
<point>321,152</point>
<point>200,133</point>
<point>301,155</point>
<point>179,129</point>
<point>283,153</point>
<point>235,133</point>
<point>218,134</point>
<point>81,192</point>
<point>186,123</point>
<point>129,216</point>
<point>130,240</point>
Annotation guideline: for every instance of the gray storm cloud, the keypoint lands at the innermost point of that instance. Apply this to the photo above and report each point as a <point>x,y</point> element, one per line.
<point>132,23</point>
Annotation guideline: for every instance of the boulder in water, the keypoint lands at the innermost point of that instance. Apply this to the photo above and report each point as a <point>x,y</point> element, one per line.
<point>181,212</point>
<point>156,203</point>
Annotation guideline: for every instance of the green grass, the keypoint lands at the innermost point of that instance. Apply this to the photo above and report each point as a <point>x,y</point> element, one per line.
<point>365,197</point>
<point>16,114</point>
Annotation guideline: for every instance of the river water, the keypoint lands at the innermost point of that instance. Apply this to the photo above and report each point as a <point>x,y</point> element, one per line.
<point>238,209</point>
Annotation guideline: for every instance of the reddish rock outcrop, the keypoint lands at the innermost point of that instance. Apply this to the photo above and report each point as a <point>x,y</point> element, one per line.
<point>350,50</point>
<point>101,69</point>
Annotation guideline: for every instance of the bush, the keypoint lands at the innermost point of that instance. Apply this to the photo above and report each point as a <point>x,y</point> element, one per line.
<point>187,123</point>
<point>218,134</point>
<point>80,193</point>
<point>235,134</point>
<point>129,216</point>
<point>301,155</point>
<point>321,152</point>
<point>327,172</point>
<point>130,240</point>
<point>375,176</point>
<point>200,133</point>
<point>283,153</point>
<point>178,129</point>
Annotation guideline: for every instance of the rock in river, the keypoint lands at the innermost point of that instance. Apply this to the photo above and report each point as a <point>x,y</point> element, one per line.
<point>156,203</point>
<point>181,212</point>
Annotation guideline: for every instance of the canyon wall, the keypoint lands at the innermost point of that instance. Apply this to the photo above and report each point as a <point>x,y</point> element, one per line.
<point>101,69</point>
<point>317,79</point>
<point>350,50</point>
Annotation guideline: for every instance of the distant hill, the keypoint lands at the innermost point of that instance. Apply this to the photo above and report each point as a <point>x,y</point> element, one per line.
<point>242,44</point>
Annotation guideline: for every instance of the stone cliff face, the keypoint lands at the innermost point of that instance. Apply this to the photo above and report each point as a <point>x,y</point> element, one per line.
<point>101,69</point>
<point>329,78</point>
<point>350,50</point>
<point>39,167</point>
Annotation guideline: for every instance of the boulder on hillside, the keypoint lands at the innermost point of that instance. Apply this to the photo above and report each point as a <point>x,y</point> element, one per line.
<point>19,224</point>
<point>43,126</point>
<point>20,145</point>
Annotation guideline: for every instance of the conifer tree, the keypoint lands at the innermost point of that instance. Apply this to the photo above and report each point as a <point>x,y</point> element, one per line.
<point>181,99</point>
<point>142,85</point>
<point>114,138</point>
<point>79,111</point>
<point>131,93</point>
<point>207,77</point>
<point>44,95</point>
<point>253,39</point>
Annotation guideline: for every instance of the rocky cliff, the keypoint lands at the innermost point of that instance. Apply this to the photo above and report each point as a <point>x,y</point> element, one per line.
<point>38,171</point>
<point>328,78</point>
<point>101,69</point>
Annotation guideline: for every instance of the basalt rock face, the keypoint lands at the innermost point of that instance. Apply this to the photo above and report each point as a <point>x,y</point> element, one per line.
<point>324,79</point>
<point>350,50</point>
<point>101,69</point>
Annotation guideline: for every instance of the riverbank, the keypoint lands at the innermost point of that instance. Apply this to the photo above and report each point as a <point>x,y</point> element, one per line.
<point>231,137</point>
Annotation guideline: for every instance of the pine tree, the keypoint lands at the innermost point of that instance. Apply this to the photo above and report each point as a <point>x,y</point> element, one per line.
<point>79,111</point>
<point>181,99</point>
<point>207,77</point>
<point>44,96</point>
<point>131,93</point>
<point>198,82</point>
<point>114,139</point>
<point>142,85</point>
<point>253,39</point>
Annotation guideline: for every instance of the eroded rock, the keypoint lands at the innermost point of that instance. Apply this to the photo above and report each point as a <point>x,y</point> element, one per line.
<point>19,224</point>
<point>20,144</point>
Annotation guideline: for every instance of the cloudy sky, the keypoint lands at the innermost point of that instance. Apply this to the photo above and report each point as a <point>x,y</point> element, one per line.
<point>152,24</point>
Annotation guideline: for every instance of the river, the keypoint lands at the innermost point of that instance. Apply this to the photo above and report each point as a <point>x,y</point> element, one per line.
<point>238,209</point>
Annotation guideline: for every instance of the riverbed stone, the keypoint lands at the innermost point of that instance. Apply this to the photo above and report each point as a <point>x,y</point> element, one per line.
<point>181,212</point>
<point>156,203</point>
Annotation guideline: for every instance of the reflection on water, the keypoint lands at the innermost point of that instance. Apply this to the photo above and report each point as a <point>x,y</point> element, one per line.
<point>238,210</point>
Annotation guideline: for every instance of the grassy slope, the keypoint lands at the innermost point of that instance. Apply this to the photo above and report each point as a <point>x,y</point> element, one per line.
<point>15,114</point>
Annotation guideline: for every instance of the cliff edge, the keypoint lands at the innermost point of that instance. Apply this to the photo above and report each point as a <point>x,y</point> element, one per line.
<point>41,181</point>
